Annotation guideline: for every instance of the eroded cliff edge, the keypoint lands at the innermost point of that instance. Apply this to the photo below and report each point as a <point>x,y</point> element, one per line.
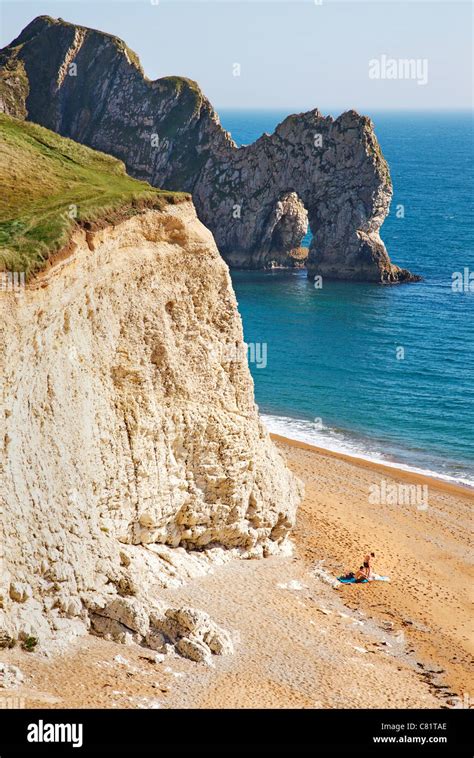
<point>130,430</point>
<point>256,200</point>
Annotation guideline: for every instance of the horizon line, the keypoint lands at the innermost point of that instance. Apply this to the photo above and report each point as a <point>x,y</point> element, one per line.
<point>303,109</point>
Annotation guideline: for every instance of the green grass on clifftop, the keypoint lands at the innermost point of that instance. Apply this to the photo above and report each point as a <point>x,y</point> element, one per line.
<point>50,184</point>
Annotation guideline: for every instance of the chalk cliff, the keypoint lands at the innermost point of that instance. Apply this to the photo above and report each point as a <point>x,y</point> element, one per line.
<point>257,200</point>
<point>130,435</point>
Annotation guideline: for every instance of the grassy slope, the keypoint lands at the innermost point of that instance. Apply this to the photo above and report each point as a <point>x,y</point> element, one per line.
<point>50,184</point>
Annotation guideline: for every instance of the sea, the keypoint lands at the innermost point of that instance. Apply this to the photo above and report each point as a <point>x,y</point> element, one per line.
<point>384,373</point>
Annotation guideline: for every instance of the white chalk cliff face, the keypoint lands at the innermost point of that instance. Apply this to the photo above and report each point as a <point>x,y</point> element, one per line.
<point>130,427</point>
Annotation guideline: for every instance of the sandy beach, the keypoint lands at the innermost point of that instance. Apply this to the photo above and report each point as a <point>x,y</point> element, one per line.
<point>426,553</point>
<point>301,642</point>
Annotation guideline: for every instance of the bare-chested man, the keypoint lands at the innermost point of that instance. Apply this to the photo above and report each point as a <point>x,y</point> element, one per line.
<point>369,564</point>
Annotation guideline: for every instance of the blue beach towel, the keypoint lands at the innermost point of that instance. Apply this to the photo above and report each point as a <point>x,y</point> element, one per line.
<point>376,578</point>
<point>351,581</point>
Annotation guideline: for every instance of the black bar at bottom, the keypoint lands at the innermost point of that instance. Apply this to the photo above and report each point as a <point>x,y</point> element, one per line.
<point>248,732</point>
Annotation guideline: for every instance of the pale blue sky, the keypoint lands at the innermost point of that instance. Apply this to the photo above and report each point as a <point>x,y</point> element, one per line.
<point>293,55</point>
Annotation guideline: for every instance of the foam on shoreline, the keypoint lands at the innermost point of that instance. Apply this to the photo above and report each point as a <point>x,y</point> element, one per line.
<point>326,440</point>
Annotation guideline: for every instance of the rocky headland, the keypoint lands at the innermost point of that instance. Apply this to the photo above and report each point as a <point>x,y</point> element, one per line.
<point>256,200</point>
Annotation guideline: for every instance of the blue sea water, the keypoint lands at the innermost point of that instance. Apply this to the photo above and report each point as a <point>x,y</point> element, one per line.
<point>332,376</point>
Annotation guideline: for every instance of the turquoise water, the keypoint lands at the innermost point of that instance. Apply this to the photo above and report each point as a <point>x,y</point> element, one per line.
<point>332,375</point>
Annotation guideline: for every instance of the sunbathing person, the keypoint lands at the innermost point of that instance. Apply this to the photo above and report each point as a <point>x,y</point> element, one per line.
<point>365,573</point>
<point>362,573</point>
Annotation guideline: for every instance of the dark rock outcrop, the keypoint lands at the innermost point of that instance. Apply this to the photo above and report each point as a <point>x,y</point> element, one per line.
<point>256,200</point>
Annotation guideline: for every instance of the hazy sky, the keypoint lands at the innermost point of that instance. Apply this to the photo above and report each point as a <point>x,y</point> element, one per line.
<point>293,55</point>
